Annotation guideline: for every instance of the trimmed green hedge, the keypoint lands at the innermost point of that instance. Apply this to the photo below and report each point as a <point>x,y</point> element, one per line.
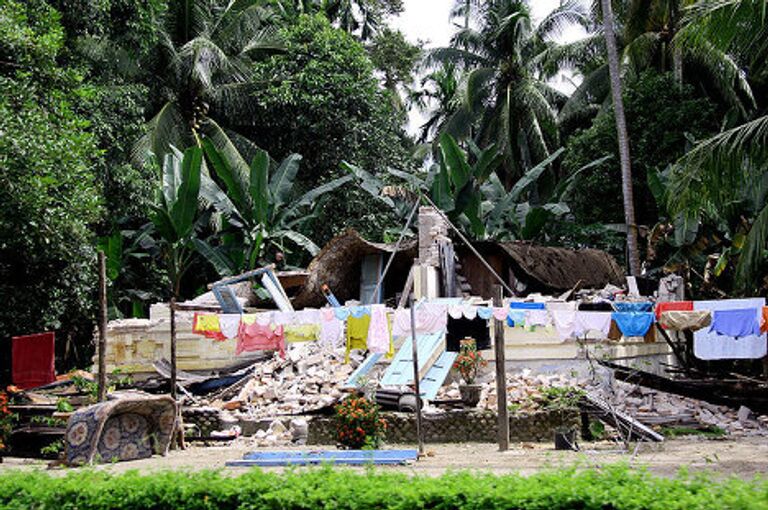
<point>610,488</point>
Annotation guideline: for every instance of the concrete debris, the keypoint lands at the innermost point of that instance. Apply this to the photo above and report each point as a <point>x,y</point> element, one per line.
<point>307,380</point>
<point>525,393</point>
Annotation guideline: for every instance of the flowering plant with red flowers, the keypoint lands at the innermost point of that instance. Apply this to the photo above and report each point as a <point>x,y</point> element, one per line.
<point>7,418</point>
<point>358,423</point>
<point>469,360</point>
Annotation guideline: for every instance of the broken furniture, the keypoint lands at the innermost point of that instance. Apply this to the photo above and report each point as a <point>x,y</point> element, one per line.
<point>130,425</point>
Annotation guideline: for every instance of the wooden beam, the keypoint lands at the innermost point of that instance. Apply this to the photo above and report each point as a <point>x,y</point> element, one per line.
<point>102,384</point>
<point>416,378</point>
<point>501,374</point>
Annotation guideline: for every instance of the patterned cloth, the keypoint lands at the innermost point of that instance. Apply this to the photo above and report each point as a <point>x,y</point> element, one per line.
<point>693,320</point>
<point>131,425</point>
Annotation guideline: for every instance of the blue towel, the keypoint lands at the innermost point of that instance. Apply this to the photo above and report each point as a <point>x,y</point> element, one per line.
<point>526,306</point>
<point>515,318</point>
<point>341,313</point>
<point>736,323</point>
<point>633,307</point>
<point>633,323</point>
<point>359,311</point>
<point>485,312</point>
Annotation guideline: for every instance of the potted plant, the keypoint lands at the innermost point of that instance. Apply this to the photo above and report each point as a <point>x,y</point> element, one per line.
<point>562,401</point>
<point>467,363</point>
<point>358,424</point>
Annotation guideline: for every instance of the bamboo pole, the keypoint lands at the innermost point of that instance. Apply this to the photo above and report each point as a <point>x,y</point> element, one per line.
<point>416,382</point>
<point>501,374</point>
<point>102,347</point>
<point>173,347</point>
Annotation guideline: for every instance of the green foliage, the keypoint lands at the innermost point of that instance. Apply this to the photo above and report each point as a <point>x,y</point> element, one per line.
<point>261,208</point>
<point>607,487</point>
<point>320,99</point>
<point>49,194</point>
<point>395,57</point>
<point>660,118</point>
<point>712,432</point>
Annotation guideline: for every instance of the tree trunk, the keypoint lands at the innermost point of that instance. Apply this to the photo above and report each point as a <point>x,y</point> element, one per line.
<point>677,65</point>
<point>623,139</point>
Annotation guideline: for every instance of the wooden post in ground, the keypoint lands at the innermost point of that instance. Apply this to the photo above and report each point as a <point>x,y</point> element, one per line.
<point>173,346</point>
<point>501,374</point>
<point>102,347</point>
<point>416,381</point>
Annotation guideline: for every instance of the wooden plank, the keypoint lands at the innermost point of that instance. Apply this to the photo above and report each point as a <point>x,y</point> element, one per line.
<point>628,426</point>
<point>400,371</point>
<point>362,370</point>
<point>502,410</point>
<point>435,378</point>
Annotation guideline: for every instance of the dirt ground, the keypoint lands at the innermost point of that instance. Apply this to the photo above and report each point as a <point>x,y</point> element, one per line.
<point>743,457</point>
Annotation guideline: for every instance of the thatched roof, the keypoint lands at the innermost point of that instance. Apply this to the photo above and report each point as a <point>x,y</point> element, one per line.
<point>562,269</point>
<point>338,266</point>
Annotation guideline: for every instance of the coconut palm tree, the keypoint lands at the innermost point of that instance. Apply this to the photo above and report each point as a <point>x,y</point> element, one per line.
<point>713,178</point>
<point>200,71</point>
<point>646,36</point>
<point>505,99</point>
<point>623,139</point>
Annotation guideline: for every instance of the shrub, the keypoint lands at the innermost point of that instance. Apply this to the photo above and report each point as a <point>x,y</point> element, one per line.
<point>358,423</point>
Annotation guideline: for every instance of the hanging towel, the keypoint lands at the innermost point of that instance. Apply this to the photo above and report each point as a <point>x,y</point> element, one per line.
<point>552,306</point>
<point>593,321</point>
<point>32,360</point>
<point>679,320</point>
<point>430,318</point>
<point>736,323</point>
<point>283,318</point>
<point>537,318</point>
<point>379,332</point>
<point>230,324</point>
<point>708,345</point>
<point>331,332</point>
<point>456,311</point>
<point>764,320</point>
<point>627,306</point>
<point>470,312</point>
<point>565,323</point>
<point>485,312</point>
<point>516,318</point>
<point>521,305</point>
<point>500,313</point>
<point>673,306</point>
<point>359,311</point>
<point>342,313</point>
<point>307,316</point>
<point>296,333</point>
<point>207,324</point>
<point>326,314</point>
<point>255,337</point>
<point>459,329</point>
<point>357,334</point>
<point>633,323</point>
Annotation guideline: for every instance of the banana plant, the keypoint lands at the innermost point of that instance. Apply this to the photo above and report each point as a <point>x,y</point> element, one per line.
<point>175,213</point>
<point>259,206</point>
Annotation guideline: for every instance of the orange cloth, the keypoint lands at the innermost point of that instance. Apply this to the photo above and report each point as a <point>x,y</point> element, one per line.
<point>764,320</point>
<point>673,306</point>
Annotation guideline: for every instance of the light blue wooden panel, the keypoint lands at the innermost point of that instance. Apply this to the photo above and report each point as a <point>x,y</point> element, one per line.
<point>364,368</point>
<point>400,371</point>
<point>435,378</point>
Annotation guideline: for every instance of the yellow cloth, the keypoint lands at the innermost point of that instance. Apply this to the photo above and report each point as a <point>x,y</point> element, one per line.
<point>302,333</point>
<point>248,318</point>
<point>357,334</point>
<point>209,323</point>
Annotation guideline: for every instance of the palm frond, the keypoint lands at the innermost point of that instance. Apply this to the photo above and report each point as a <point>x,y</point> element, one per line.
<point>163,132</point>
<point>566,15</point>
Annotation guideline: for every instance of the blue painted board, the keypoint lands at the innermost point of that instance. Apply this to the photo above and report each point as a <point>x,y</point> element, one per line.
<point>362,370</point>
<point>348,457</point>
<point>435,378</point>
<point>400,371</point>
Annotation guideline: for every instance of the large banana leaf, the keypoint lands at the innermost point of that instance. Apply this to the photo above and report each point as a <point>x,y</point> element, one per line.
<point>220,262</point>
<point>441,191</point>
<point>309,197</point>
<point>226,174</point>
<point>213,195</point>
<point>259,187</point>
<point>281,182</point>
<point>369,182</point>
<point>163,224</point>
<point>533,174</point>
<point>171,177</point>
<point>184,209</point>
<point>300,239</point>
<point>455,160</point>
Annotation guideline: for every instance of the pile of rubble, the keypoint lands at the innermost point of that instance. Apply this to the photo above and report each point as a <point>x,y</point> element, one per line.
<point>307,379</point>
<point>526,393</point>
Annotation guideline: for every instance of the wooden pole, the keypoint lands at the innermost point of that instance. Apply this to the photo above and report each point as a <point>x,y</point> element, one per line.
<point>416,381</point>
<point>102,395</point>
<point>173,346</point>
<point>501,374</point>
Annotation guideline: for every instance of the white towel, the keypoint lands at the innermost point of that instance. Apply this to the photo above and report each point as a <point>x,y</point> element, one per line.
<point>593,321</point>
<point>710,346</point>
